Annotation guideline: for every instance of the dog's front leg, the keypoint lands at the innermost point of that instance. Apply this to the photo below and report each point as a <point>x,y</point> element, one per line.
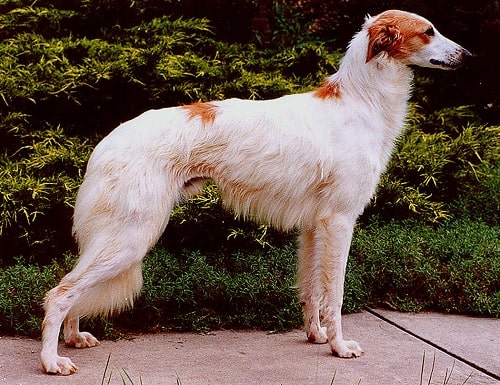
<point>333,237</point>
<point>309,279</point>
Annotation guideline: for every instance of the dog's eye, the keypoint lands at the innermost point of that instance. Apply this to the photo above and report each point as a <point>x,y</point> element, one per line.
<point>429,31</point>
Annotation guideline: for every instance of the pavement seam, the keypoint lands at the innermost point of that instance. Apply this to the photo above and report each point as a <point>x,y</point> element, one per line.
<point>433,344</point>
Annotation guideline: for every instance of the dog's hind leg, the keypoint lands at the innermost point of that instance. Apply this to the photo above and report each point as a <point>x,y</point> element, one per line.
<point>72,334</point>
<point>98,289</point>
<point>113,239</point>
<point>309,276</point>
<point>112,294</point>
<point>333,240</point>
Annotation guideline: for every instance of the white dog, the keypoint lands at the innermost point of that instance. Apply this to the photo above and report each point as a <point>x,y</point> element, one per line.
<point>310,161</point>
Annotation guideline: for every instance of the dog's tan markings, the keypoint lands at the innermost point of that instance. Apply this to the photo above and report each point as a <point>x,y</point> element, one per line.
<point>398,34</point>
<point>207,112</point>
<point>328,90</point>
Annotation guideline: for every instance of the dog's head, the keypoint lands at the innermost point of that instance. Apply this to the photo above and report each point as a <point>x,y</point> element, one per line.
<point>412,40</point>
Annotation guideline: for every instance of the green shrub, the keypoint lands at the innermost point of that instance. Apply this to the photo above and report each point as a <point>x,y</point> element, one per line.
<point>239,290</point>
<point>22,289</point>
<point>56,91</point>
<point>39,178</point>
<point>453,267</point>
<point>188,291</point>
<point>66,81</point>
<point>438,159</point>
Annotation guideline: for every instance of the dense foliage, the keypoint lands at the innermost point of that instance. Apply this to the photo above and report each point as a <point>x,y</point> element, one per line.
<point>70,71</point>
<point>59,95</point>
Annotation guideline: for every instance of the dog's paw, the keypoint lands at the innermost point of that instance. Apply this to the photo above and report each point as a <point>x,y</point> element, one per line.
<point>318,336</point>
<point>346,349</point>
<point>59,365</point>
<point>82,340</point>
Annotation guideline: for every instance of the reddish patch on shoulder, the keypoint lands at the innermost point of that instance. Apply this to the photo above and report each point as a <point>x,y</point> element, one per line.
<point>206,112</point>
<point>328,90</point>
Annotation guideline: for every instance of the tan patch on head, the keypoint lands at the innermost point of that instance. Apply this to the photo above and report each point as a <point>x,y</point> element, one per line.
<point>328,90</point>
<point>398,33</point>
<point>207,112</point>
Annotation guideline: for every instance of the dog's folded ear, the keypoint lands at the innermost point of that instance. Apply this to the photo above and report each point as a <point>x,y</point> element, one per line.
<point>382,37</point>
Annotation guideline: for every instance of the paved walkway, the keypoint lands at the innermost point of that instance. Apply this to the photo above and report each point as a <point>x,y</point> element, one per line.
<point>399,348</point>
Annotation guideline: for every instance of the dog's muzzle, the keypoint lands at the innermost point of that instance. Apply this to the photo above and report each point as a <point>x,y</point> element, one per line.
<point>455,61</point>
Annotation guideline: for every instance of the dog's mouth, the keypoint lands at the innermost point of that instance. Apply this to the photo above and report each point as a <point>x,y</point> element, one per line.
<point>446,65</point>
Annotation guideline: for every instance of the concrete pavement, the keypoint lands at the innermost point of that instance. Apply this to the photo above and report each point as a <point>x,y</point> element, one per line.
<point>399,348</point>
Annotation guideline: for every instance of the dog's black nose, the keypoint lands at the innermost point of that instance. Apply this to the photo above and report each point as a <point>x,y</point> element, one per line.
<point>466,55</point>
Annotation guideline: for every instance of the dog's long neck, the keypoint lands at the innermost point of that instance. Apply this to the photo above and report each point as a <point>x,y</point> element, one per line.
<point>381,85</point>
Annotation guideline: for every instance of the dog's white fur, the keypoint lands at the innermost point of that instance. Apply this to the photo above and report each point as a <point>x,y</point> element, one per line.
<point>310,161</point>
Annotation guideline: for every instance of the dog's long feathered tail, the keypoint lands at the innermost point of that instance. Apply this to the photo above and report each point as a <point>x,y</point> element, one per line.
<point>109,296</point>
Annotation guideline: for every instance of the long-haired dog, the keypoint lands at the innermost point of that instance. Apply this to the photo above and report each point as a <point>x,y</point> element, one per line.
<point>310,161</point>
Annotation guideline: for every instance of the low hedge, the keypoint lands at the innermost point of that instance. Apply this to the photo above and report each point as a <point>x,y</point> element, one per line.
<point>453,267</point>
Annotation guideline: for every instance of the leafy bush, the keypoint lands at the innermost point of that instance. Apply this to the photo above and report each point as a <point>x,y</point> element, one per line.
<point>22,289</point>
<point>55,92</point>
<point>237,290</point>
<point>454,267</point>
<point>185,291</point>
<point>441,157</point>
<point>37,180</point>
<point>66,82</point>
